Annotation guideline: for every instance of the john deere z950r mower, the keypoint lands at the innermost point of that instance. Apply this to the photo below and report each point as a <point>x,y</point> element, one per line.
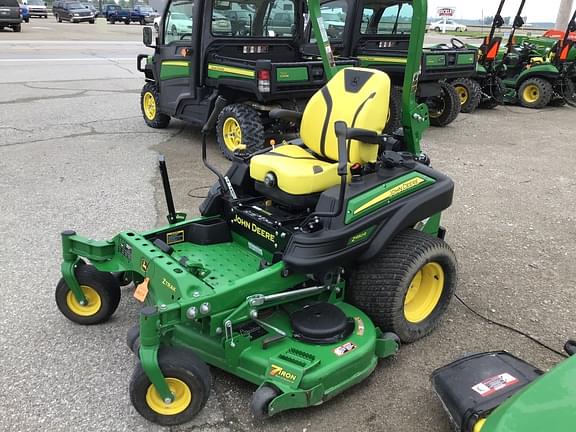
<point>308,264</point>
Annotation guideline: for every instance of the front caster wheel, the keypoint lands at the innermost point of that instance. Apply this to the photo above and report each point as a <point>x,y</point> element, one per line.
<point>189,380</point>
<point>101,290</point>
<point>407,287</point>
<point>261,400</point>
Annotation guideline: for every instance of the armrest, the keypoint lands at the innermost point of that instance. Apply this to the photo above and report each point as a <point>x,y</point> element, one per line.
<point>284,114</point>
<point>364,135</point>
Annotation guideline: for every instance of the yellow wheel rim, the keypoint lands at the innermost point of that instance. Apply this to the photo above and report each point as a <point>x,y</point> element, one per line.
<point>531,93</point>
<point>479,425</point>
<point>93,306</point>
<point>232,134</point>
<point>462,94</point>
<point>424,293</point>
<point>149,105</point>
<point>182,398</point>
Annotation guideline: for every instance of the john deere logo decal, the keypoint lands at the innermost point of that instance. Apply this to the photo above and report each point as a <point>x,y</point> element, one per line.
<point>279,371</point>
<point>144,264</point>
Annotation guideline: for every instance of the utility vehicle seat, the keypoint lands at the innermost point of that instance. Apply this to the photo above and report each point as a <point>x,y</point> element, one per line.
<point>357,96</point>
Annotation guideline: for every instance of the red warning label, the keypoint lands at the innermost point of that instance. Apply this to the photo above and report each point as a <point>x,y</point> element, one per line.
<point>494,384</point>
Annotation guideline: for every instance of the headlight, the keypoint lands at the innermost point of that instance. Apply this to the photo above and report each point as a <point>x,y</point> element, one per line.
<point>76,15</point>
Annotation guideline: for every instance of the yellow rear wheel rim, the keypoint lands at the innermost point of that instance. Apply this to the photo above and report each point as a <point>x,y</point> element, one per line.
<point>462,94</point>
<point>232,133</point>
<point>424,293</point>
<point>91,308</point>
<point>149,105</point>
<point>531,93</point>
<point>479,425</point>
<point>182,398</point>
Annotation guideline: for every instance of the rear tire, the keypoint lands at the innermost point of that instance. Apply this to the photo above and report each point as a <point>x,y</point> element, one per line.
<point>190,380</point>
<point>59,18</point>
<point>535,93</point>
<point>381,286</point>
<point>394,111</point>
<point>469,93</point>
<point>446,107</point>
<point>150,107</point>
<point>239,128</point>
<point>17,28</point>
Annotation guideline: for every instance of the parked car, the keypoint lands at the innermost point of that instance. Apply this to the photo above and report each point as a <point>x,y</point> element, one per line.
<point>37,8</point>
<point>221,25</point>
<point>73,12</point>
<point>451,25</point>
<point>25,13</point>
<point>143,14</point>
<point>10,15</point>
<point>115,13</point>
<point>179,24</point>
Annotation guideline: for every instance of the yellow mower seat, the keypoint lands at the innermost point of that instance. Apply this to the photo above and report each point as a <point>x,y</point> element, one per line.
<point>357,96</point>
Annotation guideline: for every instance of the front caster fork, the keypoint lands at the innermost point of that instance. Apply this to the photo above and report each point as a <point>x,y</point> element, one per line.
<point>149,345</point>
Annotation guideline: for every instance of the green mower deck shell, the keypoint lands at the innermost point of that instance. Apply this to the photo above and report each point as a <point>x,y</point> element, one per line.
<point>548,404</point>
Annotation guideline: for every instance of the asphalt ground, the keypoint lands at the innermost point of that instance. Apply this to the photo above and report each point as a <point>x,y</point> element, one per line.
<point>75,154</point>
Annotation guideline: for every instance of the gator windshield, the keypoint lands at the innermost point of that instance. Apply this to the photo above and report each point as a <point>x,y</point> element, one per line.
<point>386,18</point>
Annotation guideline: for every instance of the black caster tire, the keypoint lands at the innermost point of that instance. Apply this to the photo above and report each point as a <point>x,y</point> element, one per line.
<point>189,380</point>
<point>102,291</point>
<point>133,339</point>
<point>535,93</point>
<point>261,400</point>
<point>469,93</point>
<point>408,286</point>
<point>150,107</point>
<point>445,107</point>
<point>239,128</point>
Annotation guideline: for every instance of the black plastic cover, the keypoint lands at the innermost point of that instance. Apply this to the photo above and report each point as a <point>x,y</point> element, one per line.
<point>473,386</point>
<point>321,323</point>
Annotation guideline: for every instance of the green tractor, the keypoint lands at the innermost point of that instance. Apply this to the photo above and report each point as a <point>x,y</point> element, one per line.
<point>532,80</point>
<point>308,264</point>
<point>498,392</point>
<point>376,33</point>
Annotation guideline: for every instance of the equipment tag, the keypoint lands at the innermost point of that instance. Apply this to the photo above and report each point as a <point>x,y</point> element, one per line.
<point>142,290</point>
<point>494,384</point>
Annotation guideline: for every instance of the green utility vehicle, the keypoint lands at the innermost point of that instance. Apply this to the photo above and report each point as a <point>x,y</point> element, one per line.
<point>309,263</point>
<point>247,51</point>
<point>497,392</point>
<point>377,32</point>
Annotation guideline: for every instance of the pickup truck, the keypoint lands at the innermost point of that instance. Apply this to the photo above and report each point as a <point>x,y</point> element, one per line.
<point>115,13</point>
<point>143,14</point>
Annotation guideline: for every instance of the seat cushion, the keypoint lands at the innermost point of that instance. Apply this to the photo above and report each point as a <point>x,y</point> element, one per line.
<point>297,171</point>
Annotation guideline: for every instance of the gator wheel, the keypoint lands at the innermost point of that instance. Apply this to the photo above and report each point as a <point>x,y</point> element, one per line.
<point>444,108</point>
<point>150,107</point>
<point>535,93</point>
<point>394,111</point>
<point>469,92</point>
<point>239,128</point>
<point>408,286</point>
<point>261,400</point>
<point>101,290</point>
<point>189,380</point>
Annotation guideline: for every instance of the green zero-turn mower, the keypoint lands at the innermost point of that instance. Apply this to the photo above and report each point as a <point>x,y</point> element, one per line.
<point>309,263</point>
<point>532,80</point>
<point>497,392</point>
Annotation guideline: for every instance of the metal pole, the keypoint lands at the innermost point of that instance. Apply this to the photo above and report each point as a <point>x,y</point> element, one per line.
<point>564,14</point>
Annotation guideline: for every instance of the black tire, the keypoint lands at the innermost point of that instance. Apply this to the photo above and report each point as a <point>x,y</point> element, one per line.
<point>27,20</point>
<point>444,108</point>
<point>112,21</point>
<point>142,21</point>
<point>156,27</point>
<point>261,400</point>
<point>542,94</point>
<point>153,118</point>
<point>100,284</point>
<point>175,363</point>
<point>251,135</point>
<point>92,21</point>
<point>133,338</point>
<point>437,29</point>
<point>127,22</point>
<point>394,111</point>
<point>59,18</point>
<point>17,28</point>
<point>493,91</point>
<point>469,93</point>
<point>380,287</point>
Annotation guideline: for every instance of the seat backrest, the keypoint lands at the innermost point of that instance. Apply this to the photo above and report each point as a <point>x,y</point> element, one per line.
<point>360,97</point>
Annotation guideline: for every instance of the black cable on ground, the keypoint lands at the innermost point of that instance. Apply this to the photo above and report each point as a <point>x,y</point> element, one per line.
<point>191,192</point>
<point>507,327</point>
